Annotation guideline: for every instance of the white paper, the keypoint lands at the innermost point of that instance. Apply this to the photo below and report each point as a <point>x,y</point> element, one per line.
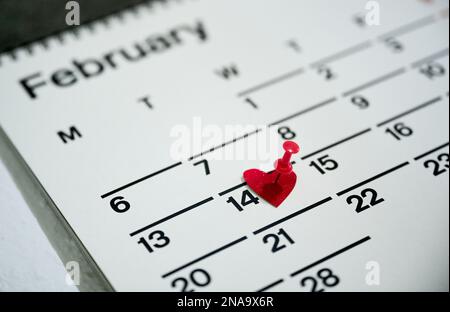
<point>307,65</point>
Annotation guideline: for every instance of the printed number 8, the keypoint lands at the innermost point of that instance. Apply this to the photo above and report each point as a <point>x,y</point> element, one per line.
<point>286,133</point>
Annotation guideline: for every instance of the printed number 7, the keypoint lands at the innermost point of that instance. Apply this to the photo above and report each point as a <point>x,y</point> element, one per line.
<point>206,165</point>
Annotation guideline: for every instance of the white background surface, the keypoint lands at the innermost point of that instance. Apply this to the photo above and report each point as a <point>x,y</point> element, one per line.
<point>27,260</point>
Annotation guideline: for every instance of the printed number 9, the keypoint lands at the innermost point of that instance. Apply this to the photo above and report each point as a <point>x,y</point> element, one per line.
<point>360,102</point>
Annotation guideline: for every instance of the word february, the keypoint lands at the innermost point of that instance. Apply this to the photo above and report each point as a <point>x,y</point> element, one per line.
<point>89,68</point>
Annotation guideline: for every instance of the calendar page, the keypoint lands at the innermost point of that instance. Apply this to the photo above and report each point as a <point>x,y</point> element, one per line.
<point>139,127</point>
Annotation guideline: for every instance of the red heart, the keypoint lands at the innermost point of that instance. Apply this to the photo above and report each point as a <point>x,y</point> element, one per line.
<point>273,187</point>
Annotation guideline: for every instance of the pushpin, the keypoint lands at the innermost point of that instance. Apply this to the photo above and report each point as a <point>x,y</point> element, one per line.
<point>275,186</point>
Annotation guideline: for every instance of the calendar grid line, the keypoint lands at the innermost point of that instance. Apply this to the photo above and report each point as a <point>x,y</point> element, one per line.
<point>231,189</point>
<point>304,111</point>
<point>209,254</point>
<point>410,111</point>
<point>293,215</point>
<point>429,58</point>
<point>412,26</point>
<point>376,177</point>
<point>431,151</point>
<point>169,217</point>
<point>244,136</point>
<point>353,136</point>
<point>375,81</point>
<point>332,255</point>
<point>272,82</point>
<point>342,54</point>
<point>271,285</point>
<point>151,175</point>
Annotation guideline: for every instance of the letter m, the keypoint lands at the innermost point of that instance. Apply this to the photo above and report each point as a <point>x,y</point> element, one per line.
<point>73,133</point>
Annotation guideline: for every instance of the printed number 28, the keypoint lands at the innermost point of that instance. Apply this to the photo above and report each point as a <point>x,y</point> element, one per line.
<point>325,277</point>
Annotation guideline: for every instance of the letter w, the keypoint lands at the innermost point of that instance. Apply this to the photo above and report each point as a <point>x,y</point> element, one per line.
<point>228,72</point>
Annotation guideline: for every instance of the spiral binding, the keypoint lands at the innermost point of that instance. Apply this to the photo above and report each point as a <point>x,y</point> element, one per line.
<point>102,23</point>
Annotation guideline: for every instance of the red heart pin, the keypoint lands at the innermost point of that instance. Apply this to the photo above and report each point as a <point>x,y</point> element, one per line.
<point>275,186</point>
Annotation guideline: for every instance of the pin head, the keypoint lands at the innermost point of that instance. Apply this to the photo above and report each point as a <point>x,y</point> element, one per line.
<point>283,165</point>
<point>291,147</point>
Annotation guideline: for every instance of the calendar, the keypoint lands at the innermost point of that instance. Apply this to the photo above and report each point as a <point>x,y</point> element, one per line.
<point>98,113</point>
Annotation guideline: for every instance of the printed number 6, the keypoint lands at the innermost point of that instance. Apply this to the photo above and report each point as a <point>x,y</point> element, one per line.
<point>119,204</point>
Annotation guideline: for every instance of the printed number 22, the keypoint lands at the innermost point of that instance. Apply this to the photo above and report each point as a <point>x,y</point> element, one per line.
<point>360,200</point>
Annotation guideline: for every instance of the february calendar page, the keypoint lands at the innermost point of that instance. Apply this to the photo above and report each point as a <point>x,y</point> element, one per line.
<point>139,128</point>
